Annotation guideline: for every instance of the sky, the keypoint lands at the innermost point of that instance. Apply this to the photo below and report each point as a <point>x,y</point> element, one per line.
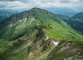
<point>23,4</point>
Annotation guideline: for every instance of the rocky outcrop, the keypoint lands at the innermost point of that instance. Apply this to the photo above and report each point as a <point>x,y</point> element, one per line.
<point>67,50</point>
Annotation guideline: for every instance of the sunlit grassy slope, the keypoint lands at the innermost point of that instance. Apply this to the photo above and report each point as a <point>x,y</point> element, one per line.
<point>18,24</point>
<point>28,27</point>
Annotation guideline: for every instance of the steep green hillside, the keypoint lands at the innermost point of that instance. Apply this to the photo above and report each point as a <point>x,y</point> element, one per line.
<point>29,35</point>
<point>18,24</point>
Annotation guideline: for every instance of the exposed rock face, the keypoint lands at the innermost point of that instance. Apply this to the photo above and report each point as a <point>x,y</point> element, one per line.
<point>55,43</point>
<point>66,50</point>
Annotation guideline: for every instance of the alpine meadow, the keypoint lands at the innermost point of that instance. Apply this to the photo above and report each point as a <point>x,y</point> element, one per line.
<point>41,30</point>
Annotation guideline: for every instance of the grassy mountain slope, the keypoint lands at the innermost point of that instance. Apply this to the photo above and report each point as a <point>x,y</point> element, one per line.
<point>18,24</point>
<point>29,35</point>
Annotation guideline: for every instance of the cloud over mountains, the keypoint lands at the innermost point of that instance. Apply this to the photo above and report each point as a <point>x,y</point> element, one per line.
<point>20,4</point>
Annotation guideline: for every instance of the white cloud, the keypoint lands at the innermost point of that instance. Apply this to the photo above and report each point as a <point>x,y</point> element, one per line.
<point>20,4</point>
<point>11,5</point>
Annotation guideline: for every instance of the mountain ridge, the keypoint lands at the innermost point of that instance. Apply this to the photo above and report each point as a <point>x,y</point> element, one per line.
<point>38,27</point>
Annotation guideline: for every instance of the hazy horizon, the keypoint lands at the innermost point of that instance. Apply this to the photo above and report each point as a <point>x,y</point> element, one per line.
<point>76,5</point>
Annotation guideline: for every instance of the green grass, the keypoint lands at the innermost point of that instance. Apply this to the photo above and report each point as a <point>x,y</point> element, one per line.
<point>62,32</point>
<point>43,55</point>
<point>50,24</point>
<point>21,55</point>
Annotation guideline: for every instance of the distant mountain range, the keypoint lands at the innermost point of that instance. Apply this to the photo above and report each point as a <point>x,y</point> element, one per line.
<point>2,18</point>
<point>56,10</point>
<point>7,13</point>
<point>76,21</point>
<point>62,11</point>
<point>4,14</point>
